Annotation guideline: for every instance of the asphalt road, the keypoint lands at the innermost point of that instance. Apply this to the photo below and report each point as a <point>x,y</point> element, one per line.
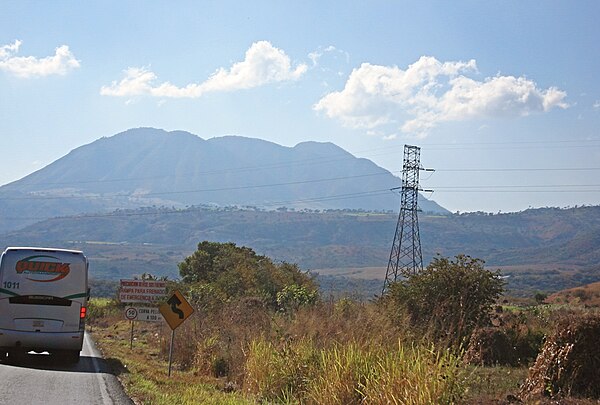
<point>42,379</point>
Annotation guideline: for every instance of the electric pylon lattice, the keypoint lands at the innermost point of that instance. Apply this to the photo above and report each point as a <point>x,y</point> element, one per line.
<point>406,258</point>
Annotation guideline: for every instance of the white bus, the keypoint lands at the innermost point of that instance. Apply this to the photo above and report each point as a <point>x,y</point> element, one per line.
<point>43,301</point>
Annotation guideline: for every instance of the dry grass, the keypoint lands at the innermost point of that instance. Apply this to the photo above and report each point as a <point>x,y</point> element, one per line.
<point>346,321</point>
<point>279,372</point>
<point>143,370</point>
<point>569,362</point>
<point>342,352</point>
<point>491,384</point>
<point>353,374</point>
<point>588,295</point>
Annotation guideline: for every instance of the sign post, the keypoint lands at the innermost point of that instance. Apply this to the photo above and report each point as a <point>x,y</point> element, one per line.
<point>171,350</point>
<point>131,314</point>
<point>175,311</point>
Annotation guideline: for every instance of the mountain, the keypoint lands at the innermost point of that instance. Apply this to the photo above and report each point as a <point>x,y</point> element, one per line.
<point>153,167</point>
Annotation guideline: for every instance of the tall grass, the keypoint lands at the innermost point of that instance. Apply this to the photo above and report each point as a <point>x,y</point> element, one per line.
<point>343,352</point>
<point>353,374</point>
<point>282,372</point>
<point>343,374</point>
<point>416,375</point>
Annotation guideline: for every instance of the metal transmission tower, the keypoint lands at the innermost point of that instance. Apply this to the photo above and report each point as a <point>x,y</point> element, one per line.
<point>406,258</point>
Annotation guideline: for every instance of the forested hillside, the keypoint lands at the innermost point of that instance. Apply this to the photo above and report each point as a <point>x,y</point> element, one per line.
<point>546,249</point>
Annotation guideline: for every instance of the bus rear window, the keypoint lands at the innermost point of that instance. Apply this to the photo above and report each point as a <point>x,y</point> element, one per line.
<point>40,300</point>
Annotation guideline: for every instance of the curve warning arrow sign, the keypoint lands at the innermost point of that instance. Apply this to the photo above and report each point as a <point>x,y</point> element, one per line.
<point>176,310</point>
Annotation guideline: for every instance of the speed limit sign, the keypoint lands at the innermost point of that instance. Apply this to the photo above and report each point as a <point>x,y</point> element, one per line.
<point>131,314</point>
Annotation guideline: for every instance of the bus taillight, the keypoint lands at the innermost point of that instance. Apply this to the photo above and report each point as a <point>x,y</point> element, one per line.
<point>82,312</point>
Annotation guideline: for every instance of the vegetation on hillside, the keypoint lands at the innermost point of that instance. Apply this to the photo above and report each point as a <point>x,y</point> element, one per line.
<point>262,328</point>
<point>261,334</point>
<point>587,295</point>
<point>537,250</point>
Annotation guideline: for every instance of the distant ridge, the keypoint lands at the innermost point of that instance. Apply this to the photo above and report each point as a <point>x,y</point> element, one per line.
<point>544,249</point>
<point>153,167</point>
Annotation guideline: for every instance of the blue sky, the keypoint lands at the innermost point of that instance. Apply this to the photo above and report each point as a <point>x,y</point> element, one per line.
<point>503,97</point>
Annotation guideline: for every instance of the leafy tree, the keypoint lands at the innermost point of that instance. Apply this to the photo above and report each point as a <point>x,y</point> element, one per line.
<point>231,271</point>
<point>211,259</point>
<point>450,297</point>
<point>294,296</point>
<point>540,297</point>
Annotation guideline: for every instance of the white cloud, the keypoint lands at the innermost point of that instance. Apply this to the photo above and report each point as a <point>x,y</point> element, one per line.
<point>137,82</point>
<point>596,104</point>
<point>29,66</point>
<point>7,50</point>
<point>429,92</point>
<point>263,64</point>
<point>316,55</point>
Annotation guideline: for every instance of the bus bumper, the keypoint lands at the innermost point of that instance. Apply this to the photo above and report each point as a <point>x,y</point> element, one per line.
<point>40,341</point>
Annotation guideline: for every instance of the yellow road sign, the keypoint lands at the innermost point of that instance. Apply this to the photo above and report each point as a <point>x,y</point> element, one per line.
<point>176,310</point>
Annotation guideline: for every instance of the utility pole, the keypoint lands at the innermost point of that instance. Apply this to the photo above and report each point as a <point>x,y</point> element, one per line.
<point>406,258</point>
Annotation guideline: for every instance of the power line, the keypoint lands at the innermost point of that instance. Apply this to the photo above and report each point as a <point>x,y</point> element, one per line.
<point>507,188</point>
<point>544,142</point>
<point>312,161</point>
<point>529,169</point>
<point>521,191</point>
<point>324,159</point>
<point>329,159</point>
<point>587,143</point>
<point>371,193</point>
<point>198,190</point>
<point>458,144</point>
<point>515,186</point>
<point>524,169</point>
<point>345,196</point>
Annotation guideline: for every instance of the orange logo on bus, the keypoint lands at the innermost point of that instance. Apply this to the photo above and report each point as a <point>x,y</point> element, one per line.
<point>42,268</point>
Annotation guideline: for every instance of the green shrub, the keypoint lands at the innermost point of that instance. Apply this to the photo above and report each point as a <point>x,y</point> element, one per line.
<point>449,298</point>
<point>232,271</point>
